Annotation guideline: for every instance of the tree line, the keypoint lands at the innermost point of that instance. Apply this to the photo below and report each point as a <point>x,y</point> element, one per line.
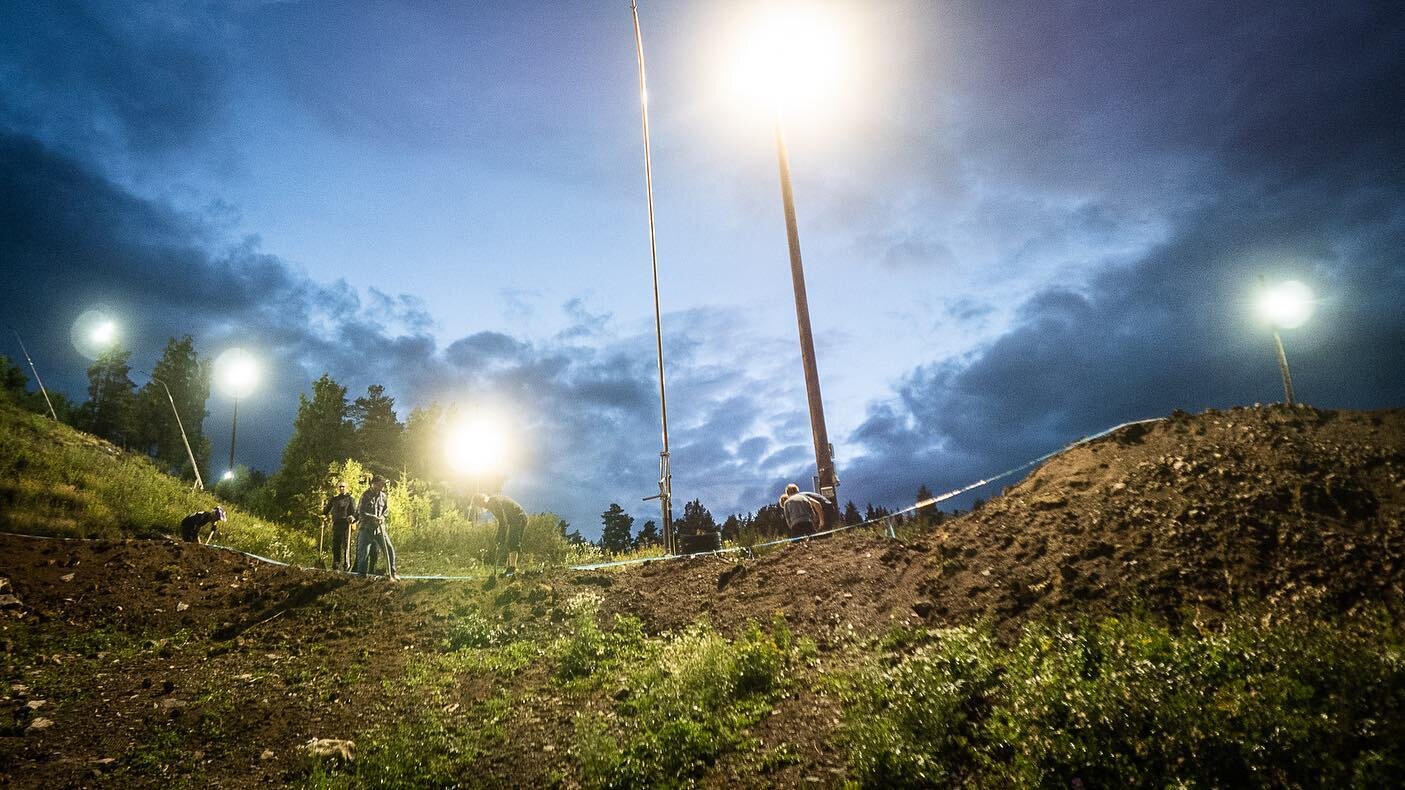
<point>334,434</point>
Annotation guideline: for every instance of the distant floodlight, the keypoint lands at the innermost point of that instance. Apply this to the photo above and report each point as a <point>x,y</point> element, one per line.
<point>105,333</point>
<point>95,332</point>
<point>228,475</point>
<point>476,445</point>
<point>236,372</point>
<point>1287,305</point>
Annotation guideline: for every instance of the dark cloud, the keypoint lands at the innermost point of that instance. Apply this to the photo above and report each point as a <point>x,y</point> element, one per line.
<point>97,76</point>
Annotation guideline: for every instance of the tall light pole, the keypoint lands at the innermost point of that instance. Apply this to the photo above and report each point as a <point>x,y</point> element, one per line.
<point>199,481</point>
<point>37,380</point>
<point>665,495</point>
<point>1286,305</point>
<point>789,58</point>
<point>825,478</point>
<point>237,373</point>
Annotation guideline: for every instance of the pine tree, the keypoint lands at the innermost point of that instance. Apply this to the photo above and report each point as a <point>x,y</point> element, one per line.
<point>615,537</point>
<point>648,535</point>
<point>322,435</point>
<point>158,433</point>
<point>696,519</point>
<point>924,516</point>
<point>110,409</point>
<point>851,514</point>
<point>380,437</point>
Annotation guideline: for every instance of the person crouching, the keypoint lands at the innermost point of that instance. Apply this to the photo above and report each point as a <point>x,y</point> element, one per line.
<point>193,524</point>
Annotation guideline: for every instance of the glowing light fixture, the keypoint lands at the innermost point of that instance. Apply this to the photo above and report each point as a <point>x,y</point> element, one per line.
<point>228,475</point>
<point>1287,305</point>
<point>476,445</point>
<point>105,333</point>
<point>794,54</point>
<point>95,332</point>
<point>236,372</point>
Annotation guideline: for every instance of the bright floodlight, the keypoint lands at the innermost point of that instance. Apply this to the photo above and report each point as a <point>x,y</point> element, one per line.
<point>95,332</point>
<point>476,445</point>
<point>228,475</point>
<point>236,372</point>
<point>1286,305</point>
<point>793,55</point>
<point>104,333</point>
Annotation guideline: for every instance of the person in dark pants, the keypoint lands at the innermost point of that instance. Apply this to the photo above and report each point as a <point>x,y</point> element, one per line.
<point>192,524</point>
<point>512,524</point>
<point>372,511</point>
<point>341,509</point>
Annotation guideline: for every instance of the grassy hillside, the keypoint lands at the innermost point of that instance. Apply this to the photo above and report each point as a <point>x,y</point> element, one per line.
<point>61,482</point>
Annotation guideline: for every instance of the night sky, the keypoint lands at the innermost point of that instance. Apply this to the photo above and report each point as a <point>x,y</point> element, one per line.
<point>1022,223</point>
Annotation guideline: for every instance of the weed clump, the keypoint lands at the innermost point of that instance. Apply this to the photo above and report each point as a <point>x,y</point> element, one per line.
<point>1128,701</point>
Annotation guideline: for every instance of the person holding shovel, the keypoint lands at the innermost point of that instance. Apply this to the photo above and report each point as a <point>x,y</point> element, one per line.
<point>341,510</point>
<point>512,524</point>
<point>373,510</point>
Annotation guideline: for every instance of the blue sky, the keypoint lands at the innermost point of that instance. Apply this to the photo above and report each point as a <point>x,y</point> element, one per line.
<point>1021,222</point>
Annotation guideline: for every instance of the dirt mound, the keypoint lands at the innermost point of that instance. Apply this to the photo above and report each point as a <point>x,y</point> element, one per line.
<point>1190,515</point>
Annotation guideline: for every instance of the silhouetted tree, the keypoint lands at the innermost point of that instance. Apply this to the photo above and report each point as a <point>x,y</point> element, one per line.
<point>648,535</point>
<point>851,514</point>
<point>110,409</point>
<point>615,537</point>
<point>158,433</point>
<point>696,519</point>
<point>322,435</point>
<point>379,435</point>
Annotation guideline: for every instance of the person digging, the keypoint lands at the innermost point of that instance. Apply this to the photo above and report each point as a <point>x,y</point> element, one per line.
<point>512,524</point>
<point>193,524</point>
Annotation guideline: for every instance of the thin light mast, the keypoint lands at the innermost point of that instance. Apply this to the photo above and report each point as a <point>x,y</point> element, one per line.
<point>665,495</point>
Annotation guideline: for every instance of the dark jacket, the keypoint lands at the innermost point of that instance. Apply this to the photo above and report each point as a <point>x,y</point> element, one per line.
<point>191,524</point>
<point>342,509</point>
<point>511,518</point>
<point>374,506</point>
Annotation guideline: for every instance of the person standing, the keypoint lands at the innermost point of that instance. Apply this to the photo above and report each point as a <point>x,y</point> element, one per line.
<point>512,524</point>
<point>372,511</point>
<point>341,509</point>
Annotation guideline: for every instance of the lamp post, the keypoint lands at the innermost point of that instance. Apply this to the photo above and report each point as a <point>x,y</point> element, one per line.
<point>237,373</point>
<point>824,456</point>
<point>789,57</point>
<point>37,380</point>
<point>199,481</point>
<point>1287,305</point>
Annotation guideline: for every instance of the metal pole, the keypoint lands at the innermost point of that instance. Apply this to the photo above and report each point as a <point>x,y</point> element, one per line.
<point>824,461</point>
<point>1283,368</point>
<point>199,481</point>
<point>665,473</point>
<point>233,432</point>
<point>37,380</point>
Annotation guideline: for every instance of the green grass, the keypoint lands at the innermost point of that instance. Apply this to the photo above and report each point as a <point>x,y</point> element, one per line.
<point>680,702</point>
<point>1288,701</point>
<point>61,482</point>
